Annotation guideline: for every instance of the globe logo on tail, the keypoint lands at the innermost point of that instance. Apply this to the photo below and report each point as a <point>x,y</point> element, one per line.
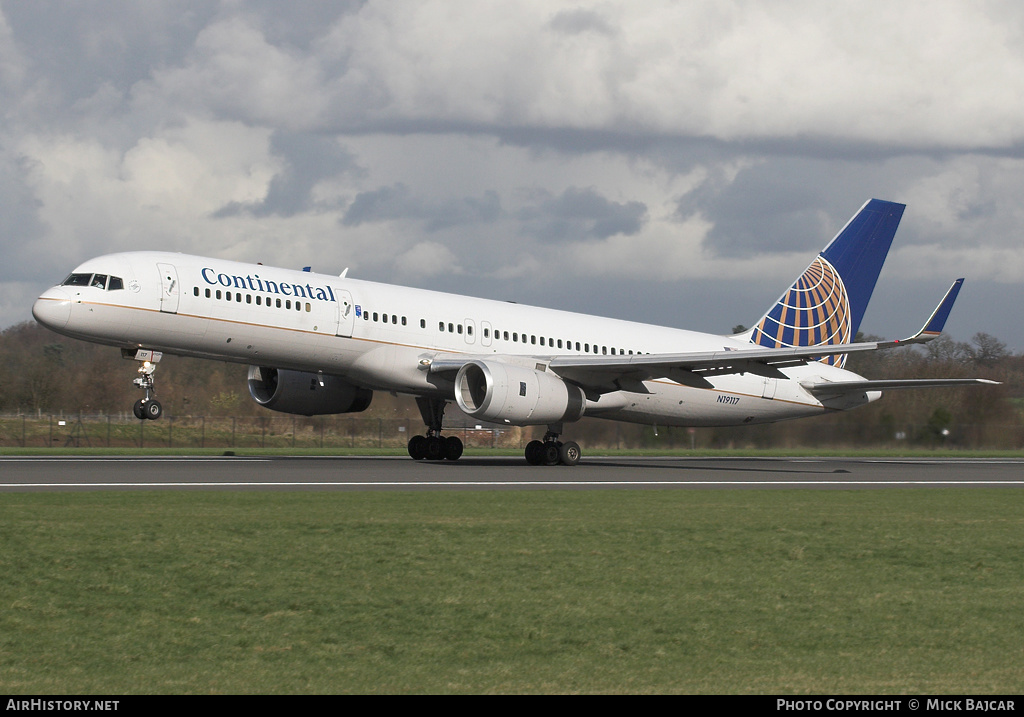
<point>814,312</point>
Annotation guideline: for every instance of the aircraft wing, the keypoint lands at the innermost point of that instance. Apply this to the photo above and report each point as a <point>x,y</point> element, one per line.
<point>603,374</point>
<point>588,370</point>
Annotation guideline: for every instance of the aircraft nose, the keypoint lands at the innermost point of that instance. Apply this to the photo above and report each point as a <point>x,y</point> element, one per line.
<point>53,308</point>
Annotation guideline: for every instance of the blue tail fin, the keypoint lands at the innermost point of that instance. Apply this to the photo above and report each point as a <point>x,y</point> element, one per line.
<point>826,303</point>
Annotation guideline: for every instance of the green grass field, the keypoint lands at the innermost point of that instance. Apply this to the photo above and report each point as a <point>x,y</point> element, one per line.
<point>875,591</point>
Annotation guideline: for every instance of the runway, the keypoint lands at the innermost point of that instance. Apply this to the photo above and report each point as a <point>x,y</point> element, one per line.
<point>48,473</point>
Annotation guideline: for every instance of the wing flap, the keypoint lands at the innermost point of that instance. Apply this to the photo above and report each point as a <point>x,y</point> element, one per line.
<point>836,388</point>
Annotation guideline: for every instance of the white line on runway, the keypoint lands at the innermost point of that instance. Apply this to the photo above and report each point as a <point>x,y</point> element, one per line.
<point>567,484</point>
<point>133,459</point>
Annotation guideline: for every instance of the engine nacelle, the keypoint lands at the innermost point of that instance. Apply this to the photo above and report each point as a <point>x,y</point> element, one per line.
<point>503,393</point>
<point>302,393</point>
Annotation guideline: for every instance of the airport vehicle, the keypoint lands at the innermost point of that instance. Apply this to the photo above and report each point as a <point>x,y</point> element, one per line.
<point>319,344</point>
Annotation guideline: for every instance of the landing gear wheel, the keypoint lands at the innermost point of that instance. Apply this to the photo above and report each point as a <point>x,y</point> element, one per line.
<point>550,454</point>
<point>452,448</point>
<point>535,453</point>
<point>152,409</point>
<point>418,447</point>
<point>435,448</point>
<point>138,410</point>
<point>569,453</point>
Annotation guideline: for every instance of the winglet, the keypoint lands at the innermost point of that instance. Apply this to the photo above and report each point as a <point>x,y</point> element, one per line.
<point>938,318</point>
<point>933,326</point>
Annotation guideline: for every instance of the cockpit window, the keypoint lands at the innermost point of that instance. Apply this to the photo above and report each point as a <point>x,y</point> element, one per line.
<point>97,281</point>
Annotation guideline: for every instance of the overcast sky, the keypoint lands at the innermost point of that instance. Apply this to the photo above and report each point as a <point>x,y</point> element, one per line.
<point>672,162</point>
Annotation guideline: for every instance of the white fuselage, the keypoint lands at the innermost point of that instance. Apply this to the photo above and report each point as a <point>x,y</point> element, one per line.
<point>383,337</point>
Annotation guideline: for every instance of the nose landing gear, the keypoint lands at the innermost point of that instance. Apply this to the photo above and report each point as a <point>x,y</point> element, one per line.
<point>147,407</point>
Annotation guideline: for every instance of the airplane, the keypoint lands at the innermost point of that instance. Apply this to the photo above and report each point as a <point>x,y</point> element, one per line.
<point>319,344</point>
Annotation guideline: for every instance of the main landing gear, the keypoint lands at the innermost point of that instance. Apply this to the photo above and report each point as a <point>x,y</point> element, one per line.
<point>551,451</point>
<point>147,407</point>
<point>434,446</point>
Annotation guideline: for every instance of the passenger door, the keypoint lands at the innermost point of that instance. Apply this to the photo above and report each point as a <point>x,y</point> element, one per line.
<point>168,288</point>
<point>346,313</point>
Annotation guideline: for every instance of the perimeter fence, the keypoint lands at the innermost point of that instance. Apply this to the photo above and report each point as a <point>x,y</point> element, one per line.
<point>281,431</point>
<point>272,431</point>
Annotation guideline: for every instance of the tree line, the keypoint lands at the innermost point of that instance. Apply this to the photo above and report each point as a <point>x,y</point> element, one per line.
<point>42,373</point>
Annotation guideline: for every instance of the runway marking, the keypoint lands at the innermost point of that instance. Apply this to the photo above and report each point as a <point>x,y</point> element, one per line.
<point>132,459</point>
<point>567,484</point>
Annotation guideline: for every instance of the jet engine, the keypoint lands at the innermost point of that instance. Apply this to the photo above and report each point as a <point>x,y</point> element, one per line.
<point>520,396</point>
<point>307,394</point>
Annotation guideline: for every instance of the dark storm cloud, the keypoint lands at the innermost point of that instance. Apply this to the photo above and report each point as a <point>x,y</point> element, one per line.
<point>581,213</point>
<point>82,46</point>
<point>782,204</point>
<point>765,209</point>
<point>579,20</point>
<point>397,202</point>
<point>303,22</point>
<point>20,224</point>
<point>308,159</point>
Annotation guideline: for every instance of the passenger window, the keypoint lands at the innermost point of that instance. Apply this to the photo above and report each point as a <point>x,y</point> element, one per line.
<point>440,326</point>
<point>279,303</point>
<point>486,334</point>
<point>451,328</point>
<point>248,298</point>
<point>207,293</point>
<point>403,321</point>
<point>469,330</point>
<point>195,291</point>
<point>459,328</point>
<point>423,323</point>
<point>394,318</point>
<point>506,335</point>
